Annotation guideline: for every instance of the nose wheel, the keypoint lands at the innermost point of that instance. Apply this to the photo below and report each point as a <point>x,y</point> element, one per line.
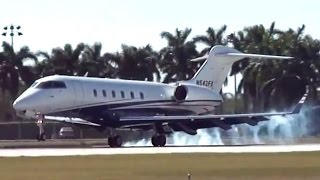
<point>41,137</point>
<point>40,123</point>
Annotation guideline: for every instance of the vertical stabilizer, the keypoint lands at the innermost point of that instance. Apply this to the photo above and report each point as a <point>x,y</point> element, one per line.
<point>217,65</point>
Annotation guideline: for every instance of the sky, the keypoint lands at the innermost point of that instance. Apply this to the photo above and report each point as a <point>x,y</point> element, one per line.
<point>53,23</point>
<point>47,24</point>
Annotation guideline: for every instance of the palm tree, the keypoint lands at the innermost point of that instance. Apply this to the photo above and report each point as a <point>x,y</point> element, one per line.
<point>137,63</point>
<point>61,61</point>
<point>3,75</point>
<point>256,39</point>
<point>95,64</point>
<point>212,38</point>
<point>304,69</point>
<point>174,58</point>
<point>13,68</point>
<point>273,81</point>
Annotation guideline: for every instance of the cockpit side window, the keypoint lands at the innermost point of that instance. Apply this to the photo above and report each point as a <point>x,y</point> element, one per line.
<point>51,85</point>
<point>34,84</point>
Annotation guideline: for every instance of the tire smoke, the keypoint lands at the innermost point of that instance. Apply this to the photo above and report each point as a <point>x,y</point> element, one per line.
<point>278,130</point>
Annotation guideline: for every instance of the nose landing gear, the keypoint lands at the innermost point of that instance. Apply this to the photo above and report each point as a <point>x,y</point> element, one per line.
<point>40,123</point>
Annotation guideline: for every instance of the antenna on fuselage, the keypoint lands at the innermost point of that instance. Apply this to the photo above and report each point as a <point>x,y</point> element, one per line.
<point>86,74</point>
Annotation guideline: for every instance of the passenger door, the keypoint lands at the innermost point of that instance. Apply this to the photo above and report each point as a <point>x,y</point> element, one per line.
<point>78,93</point>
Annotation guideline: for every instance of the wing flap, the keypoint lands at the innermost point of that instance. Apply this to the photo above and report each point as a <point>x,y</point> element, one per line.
<point>70,120</point>
<point>250,119</point>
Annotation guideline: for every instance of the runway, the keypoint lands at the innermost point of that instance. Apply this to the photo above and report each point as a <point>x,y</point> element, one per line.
<point>39,152</point>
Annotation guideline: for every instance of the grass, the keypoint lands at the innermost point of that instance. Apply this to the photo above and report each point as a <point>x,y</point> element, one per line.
<point>165,167</point>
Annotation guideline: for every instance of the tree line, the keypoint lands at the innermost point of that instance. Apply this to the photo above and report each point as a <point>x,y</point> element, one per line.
<point>265,84</point>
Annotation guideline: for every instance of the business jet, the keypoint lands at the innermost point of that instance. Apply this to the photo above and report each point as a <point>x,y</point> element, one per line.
<point>106,103</point>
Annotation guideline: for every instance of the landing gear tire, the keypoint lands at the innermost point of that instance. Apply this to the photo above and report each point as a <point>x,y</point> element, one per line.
<point>41,137</point>
<point>115,141</point>
<point>158,140</point>
<point>111,141</point>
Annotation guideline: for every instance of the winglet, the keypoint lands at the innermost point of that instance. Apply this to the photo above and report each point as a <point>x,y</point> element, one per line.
<point>298,107</point>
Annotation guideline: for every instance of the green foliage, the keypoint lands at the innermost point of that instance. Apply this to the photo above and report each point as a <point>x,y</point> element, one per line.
<point>174,58</point>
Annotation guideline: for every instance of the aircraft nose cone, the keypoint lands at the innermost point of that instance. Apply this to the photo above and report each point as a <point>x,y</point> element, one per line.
<point>19,105</point>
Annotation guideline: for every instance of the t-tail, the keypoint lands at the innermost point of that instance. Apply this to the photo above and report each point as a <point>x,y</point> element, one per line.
<point>217,65</point>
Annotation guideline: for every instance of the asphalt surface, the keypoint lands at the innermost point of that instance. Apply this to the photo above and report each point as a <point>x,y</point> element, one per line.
<point>89,143</point>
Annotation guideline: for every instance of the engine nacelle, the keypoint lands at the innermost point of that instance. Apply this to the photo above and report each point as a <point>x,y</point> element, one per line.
<point>180,93</point>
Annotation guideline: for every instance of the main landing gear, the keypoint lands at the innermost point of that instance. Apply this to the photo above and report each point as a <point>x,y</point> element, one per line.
<point>115,141</point>
<point>41,136</point>
<point>158,140</point>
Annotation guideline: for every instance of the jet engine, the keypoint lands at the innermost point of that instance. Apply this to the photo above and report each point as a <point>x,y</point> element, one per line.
<point>180,93</point>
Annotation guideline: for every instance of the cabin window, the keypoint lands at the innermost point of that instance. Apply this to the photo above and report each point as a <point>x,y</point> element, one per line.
<point>113,94</point>
<point>141,95</point>
<point>122,94</point>
<point>132,95</point>
<point>104,93</point>
<point>95,93</point>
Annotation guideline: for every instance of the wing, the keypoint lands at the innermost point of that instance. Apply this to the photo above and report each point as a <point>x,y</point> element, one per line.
<point>71,120</point>
<point>188,123</point>
<point>222,120</point>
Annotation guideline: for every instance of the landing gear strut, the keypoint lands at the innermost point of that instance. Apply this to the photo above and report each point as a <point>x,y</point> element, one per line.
<point>41,136</point>
<point>158,140</point>
<point>115,141</point>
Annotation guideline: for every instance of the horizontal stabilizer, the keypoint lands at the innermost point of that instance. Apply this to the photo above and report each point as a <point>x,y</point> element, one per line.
<point>202,58</point>
<point>256,56</point>
<point>243,55</point>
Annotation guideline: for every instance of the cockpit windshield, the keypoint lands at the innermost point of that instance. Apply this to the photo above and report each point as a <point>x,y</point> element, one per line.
<point>34,84</point>
<point>50,85</point>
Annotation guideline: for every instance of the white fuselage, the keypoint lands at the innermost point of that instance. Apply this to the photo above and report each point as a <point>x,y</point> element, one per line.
<point>112,94</point>
<point>127,104</point>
